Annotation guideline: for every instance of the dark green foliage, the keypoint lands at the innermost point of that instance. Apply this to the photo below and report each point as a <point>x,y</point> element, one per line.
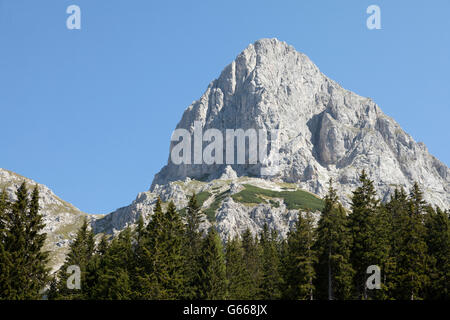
<point>192,246</point>
<point>252,262</point>
<point>300,259</point>
<point>437,223</point>
<point>80,254</point>
<point>334,270</point>
<point>114,269</point>
<point>161,273</point>
<point>271,280</point>
<point>23,262</point>
<point>365,244</point>
<point>236,272</point>
<point>169,258</point>
<point>212,282</point>
<point>412,256</point>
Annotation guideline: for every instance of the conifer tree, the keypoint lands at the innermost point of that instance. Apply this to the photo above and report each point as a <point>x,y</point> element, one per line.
<point>34,242</point>
<point>24,272</point>
<point>334,270</point>
<point>300,260</point>
<point>161,256</point>
<point>397,209</point>
<point>236,272</point>
<point>412,258</point>
<point>438,243</point>
<point>147,257</point>
<point>192,246</point>
<point>6,264</point>
<point>114,269</point>
<point>270,286</point>
<point>80,254</point>
<point>252,262</point>
<point>212,282</point>
<point>363,218</point>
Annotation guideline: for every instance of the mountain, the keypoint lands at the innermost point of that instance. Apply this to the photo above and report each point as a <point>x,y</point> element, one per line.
<point>62,220</point>
<point>323,132</point>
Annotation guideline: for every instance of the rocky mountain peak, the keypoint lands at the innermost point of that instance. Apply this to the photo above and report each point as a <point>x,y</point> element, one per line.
<point>324,130</point>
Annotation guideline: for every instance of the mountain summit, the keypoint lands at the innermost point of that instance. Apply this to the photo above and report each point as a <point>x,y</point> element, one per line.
<point>325,131</point>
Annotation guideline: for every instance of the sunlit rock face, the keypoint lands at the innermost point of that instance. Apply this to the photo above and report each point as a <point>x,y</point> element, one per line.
<point>325,131</point>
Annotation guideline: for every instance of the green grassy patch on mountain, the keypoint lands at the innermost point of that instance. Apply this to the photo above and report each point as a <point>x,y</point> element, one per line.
<point>211,211</point>
<point>297,199</point>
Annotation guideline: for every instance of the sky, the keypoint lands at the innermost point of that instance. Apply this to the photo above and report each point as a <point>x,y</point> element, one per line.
<point>90,112</point>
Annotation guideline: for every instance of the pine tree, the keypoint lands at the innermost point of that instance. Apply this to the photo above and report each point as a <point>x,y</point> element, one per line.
<point>113,272</point>
<point>252,262</point>
<point>438,243</point>
<point>236,272</point>
<point>412,258</point>
<point>80,254</point>
<point>24,272</point>
<point>93,268</point>
<point>300,260</point>
<point>362,219</point>
<point>37,268</point>
<point>147,256</point>
<point>212,282</point>
<point>192,246</point>
<point>6,264</point>
<point>397,217</point>
<point>161,256</point>
<point>334,270</point>
<point>270,285</point>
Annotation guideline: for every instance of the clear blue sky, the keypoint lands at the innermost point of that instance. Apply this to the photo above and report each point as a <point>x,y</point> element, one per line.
<point>90,112</point>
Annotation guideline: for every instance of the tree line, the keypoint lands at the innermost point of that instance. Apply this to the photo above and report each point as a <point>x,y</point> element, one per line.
<point>170,258</point>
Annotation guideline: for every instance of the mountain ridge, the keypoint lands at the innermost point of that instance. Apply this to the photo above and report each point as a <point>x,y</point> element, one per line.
<point>327,132</point>
<point>268,83</point>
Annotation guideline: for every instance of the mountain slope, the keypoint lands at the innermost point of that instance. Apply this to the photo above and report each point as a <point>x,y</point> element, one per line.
<point>325,132</point>
<point>62,219</point>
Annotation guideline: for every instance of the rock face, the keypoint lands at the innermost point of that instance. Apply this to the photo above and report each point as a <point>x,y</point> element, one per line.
<point>223,205</point>
<point>62,219</point>
<point>325,131</point>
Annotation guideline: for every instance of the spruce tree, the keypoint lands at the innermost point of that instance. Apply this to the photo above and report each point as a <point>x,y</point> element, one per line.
<point>397,209</point>
<point>113,272</point>
<point>212,282</point>
<point>192,246</point>
<point>362,219</point>
<point>35,240</point>
<point>412,260</point>
<point>438,243</point>
<point>238,280</point>
<point>270,285</point>
<point>146,285</point>
<point>81,252</point>
<point>161,270</point>
<point>300,260</point>
<point>252,262</point>
<point>23,261</point>
<point>334,270</point>
<point>6,264</point>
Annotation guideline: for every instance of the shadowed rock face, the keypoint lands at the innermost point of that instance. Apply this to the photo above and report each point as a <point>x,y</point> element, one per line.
<point>325,130</point>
